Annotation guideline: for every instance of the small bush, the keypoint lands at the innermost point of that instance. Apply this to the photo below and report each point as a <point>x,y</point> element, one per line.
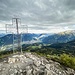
<point>67,60</point>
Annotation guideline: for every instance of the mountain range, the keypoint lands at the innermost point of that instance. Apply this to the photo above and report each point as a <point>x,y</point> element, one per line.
<point>62,37</point>
<point>26,38</point>
<point>46,38</point>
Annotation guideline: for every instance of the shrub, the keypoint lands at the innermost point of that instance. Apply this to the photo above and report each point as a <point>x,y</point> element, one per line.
<point>67,60</point>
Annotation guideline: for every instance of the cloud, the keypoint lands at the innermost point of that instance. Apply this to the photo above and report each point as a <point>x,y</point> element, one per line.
<point>41,14</point>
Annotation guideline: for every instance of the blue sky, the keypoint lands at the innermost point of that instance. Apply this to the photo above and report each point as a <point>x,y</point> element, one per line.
<point>41,16</point>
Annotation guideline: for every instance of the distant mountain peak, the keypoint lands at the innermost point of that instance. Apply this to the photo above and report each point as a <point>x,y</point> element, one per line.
<point>61,37</point>
<point>67,32</point>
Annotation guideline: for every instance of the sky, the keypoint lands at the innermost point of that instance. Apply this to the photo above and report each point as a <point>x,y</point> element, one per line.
<point>41,16</point>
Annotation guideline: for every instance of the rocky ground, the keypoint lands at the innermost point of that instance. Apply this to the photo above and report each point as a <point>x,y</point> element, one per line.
<point>31,64</point>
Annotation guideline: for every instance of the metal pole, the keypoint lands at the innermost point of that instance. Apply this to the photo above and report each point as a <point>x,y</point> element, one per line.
<point>18,35</point>
<point>17,25</point>
<point>13,43</point>
<point>17,28</point>
<point>21,43</point>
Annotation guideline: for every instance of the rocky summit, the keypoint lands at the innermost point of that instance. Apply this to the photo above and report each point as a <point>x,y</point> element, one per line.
<point>32,64</point>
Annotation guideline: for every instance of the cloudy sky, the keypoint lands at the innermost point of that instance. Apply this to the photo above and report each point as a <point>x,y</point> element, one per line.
<point>41,16</point>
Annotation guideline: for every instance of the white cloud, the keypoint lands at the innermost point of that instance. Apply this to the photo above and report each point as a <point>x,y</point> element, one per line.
<point>40,4</point>
<point>40,15</point>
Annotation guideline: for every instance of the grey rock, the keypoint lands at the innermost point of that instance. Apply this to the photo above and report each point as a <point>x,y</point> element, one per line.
<point>30,64</point>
